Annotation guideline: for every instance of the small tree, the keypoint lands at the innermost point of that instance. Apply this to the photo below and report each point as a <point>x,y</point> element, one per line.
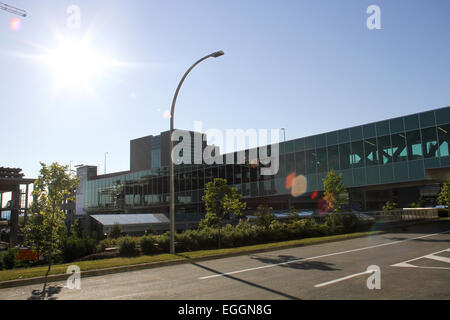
<point>444,195</point>
<point>116,231</point>
<point>334,189</point>
<point>46,229</point>
<point>264,216</point>
<point>221,200</point>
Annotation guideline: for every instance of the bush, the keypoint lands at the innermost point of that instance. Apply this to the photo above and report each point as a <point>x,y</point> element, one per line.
<point>127,247</point>
<point>116,231</point>
<point>147,244</point>
<point>10,258</point>
<point>149,231</point>
<point>74,247</point>
<point>164,242</point>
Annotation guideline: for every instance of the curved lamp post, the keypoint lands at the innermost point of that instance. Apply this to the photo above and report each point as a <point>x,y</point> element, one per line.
<point>172,180</point>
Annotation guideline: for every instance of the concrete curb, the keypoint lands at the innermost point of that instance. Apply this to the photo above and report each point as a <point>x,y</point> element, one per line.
<point>182,260</point>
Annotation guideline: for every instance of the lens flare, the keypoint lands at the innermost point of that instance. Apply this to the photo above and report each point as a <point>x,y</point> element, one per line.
<point>15,24</point>
<point>314,195</point>
<point>297,184</point>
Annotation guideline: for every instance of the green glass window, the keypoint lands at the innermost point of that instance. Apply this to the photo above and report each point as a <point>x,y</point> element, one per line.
<point>310,143</point>
<point>311,161</point>
<point>300,165</point>
<point>322,160</point>
<point>443,115</point>
<point>332,138</point>
<point>344,155</point>
<point>414,145</point>
<point>399,152</point>
<point>427,119</point>
<point>333,157</point>
<point>357,156</point>
<point>344,135</point>
<point>429,143</point>
<point>443,134</point>
<point>321,140</point>
<point>290,163</point>
<point>369,130</point>
<point>397,125</point>
<point>371,154</point>
<point>237,174</point>
<point>412,122</point>
<point>384,149</point>
<point>356,133</point>
<point>229,173</point>
<point>299,144</point>
<point>382,128</point>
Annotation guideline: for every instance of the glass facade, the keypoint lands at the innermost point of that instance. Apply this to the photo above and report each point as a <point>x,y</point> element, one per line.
<point>396,150</point>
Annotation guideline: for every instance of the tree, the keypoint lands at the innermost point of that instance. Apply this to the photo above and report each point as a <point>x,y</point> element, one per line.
<point>221,200</point>
<point>264,216</point>
<point>334,190</point>
<point>46,228</point>
<point>444,195</point>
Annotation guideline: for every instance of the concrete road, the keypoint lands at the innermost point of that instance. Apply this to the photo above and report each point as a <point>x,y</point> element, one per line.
<point>414,264</point>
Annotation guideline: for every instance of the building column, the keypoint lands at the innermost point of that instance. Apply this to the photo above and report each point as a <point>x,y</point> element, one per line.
<point>15,199</point>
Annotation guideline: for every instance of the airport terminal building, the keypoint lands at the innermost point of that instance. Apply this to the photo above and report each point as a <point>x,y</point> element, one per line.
<point>398,160</point>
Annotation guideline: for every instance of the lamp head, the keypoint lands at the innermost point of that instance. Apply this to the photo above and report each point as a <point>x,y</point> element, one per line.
<point>217,54</point>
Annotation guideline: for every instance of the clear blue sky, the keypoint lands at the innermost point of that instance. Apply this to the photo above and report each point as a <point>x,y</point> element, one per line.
<point>309,66</point>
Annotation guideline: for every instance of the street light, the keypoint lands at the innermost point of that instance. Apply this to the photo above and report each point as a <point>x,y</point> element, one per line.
<point>172,180</point>
<point>105,161</point>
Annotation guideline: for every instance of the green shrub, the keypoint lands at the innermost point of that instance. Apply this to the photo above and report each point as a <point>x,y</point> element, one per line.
<point>164,242</point>
<point>147,244</point>
<point>10,258</point>
<point>116,231</point>
<point>149,231</point>
<point>127,247</point>
<point>74,247</point>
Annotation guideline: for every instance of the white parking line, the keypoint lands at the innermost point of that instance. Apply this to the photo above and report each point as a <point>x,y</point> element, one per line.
<point>323,284</point>
<point>432,256</point>
<point>318,257</point>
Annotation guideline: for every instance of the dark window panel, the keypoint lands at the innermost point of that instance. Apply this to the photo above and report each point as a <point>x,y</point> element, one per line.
<point>344,155</point>
<point>427,119</point>
<point>357,155</point>
<point>333,157</point>
<point>322,160</point>
<point>300,163</point>
<point>397,125</point>
<point>444,140</point>
<point>411,122</point>
<point>384,149</point>
<point>371,152</point>
<point>311,161</point>
<point>356,133</point>
<point>414,145</point>
<point>399,151</point>
<point>430,145</point>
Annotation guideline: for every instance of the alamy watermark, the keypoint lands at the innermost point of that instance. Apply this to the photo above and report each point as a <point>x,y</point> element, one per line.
<point>266,156</point>
<point>74,280</point>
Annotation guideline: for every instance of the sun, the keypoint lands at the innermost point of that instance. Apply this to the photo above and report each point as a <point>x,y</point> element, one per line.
<point>74,65</point>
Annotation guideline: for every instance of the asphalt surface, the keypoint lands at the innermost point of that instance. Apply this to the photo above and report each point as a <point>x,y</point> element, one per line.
<point>414,264</point>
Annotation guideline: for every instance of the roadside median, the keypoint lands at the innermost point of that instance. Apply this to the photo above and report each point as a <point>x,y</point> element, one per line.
<point>36,275</point>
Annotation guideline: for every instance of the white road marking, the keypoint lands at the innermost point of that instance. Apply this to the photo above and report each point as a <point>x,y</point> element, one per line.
<point>318,257</point>
<point>432,256</point>
<point>323,284</point>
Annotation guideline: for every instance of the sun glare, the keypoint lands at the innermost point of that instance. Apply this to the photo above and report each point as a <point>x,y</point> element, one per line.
<point>74,65</point>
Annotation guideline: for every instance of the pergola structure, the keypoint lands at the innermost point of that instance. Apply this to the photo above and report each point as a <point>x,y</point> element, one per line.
<point>13,181</point>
